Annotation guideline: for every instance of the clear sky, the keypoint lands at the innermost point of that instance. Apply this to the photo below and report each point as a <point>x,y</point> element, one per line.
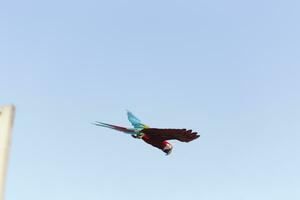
<point>227,69</point>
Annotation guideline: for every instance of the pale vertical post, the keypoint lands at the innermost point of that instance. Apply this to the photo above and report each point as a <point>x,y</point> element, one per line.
<point>6,123</point>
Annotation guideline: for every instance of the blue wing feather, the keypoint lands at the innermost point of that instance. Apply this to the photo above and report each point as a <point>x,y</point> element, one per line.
<point>136,123</point>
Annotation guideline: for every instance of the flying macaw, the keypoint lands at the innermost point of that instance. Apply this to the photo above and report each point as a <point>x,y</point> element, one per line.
<point>155,136</point>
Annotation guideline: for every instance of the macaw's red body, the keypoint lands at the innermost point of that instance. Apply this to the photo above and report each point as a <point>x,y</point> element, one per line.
<point>154,136</point>
<point>158,137</point>
<point>160,144</point>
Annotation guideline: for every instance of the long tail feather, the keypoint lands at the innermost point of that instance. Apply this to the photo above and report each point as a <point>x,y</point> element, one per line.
<point>118,128</point>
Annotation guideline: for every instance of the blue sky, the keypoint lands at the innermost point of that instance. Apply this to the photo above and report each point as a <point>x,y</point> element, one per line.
<point>229,70</point>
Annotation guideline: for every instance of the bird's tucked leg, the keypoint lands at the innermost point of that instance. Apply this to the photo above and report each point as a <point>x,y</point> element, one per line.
<point>134,136</point>
<point>138,135</point>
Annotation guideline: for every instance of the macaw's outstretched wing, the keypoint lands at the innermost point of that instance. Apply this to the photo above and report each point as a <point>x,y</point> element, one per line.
<point>118,128</point>
<point>136,123</point>
<point>182,135</point>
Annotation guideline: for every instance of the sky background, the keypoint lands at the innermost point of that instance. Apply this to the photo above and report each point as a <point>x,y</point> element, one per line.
<point>227,69</point>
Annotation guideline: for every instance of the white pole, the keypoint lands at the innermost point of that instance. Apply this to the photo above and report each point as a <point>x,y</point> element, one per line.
<point>6,123</point>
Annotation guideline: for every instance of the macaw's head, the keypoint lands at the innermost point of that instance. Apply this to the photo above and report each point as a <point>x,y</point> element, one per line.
<point>167,148</point>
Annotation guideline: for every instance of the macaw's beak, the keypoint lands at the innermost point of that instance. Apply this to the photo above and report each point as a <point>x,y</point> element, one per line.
<point>168,151</point>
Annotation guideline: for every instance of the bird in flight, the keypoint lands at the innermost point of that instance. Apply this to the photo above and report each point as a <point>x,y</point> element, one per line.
<point>156,137</point>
